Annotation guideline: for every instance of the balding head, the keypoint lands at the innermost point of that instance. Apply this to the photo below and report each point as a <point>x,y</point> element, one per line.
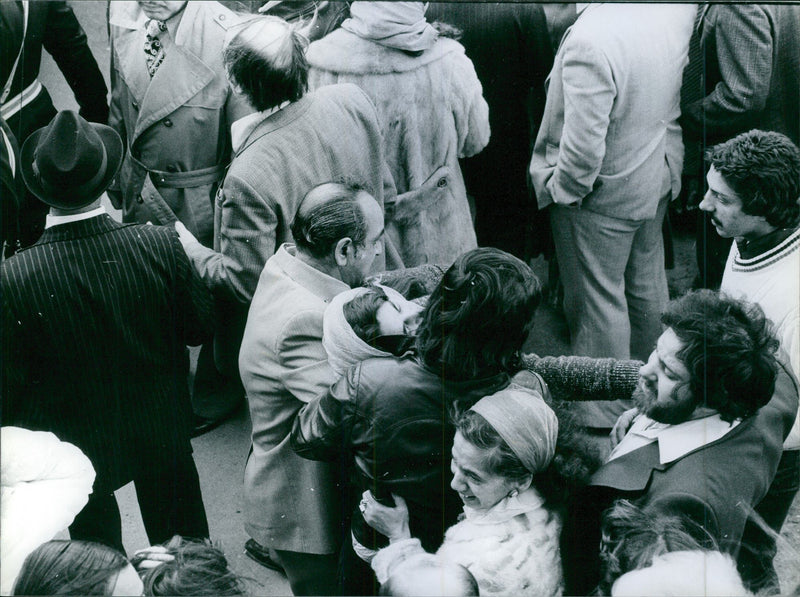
<point>425,574</point>
<point>340,226</point>
<point>266,60</point>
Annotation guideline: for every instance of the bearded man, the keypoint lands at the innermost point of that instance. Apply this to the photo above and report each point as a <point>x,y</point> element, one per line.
<point>714,405</point>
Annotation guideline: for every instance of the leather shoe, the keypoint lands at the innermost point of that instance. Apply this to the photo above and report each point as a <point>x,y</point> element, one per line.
<point>261,555</point>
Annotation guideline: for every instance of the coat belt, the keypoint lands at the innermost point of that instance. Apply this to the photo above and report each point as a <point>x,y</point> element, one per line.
<point>183,180</point>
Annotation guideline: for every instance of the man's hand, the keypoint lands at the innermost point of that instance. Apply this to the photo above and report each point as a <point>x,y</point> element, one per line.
<point>186,237</point>
<point>622,425</point>
<point>150,557</point>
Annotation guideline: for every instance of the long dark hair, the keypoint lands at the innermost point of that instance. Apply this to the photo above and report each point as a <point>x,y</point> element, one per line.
<point>479,316</point>
<point>70,568</point>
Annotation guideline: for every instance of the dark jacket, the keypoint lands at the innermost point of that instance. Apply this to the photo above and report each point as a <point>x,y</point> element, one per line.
<point>96,317</point>
<point>52,26</point>
<point>717,485</point>
<point>393,417</point>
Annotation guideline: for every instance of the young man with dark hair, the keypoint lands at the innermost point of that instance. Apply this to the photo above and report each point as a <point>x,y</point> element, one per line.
<point>753,194</point>
<point>714,405</point>
<point>292,504</point>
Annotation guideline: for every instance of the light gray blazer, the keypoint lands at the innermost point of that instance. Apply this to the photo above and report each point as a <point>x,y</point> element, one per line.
<point>290,503</point>
<point>609,139</point>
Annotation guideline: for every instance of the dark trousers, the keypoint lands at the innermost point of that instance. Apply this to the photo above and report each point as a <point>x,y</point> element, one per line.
<point>758,546</point>
<point>169,499</point>
<point>214,395</point>
<point>355,575</point>
<point>309,573</point>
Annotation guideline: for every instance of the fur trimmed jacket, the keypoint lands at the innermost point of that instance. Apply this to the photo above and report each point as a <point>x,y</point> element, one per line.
<point>432,113</point>
<point>512,549</point>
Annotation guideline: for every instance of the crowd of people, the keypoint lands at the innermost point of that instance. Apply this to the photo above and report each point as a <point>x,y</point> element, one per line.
<point>338,203</point>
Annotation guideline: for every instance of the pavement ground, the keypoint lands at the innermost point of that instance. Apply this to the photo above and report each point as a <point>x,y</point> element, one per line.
<point>220,454</point>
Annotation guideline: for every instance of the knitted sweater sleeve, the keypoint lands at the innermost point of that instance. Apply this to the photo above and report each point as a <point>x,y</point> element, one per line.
<point>585,378</point>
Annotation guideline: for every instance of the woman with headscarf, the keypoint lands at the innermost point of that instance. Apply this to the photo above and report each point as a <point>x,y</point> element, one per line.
<point>432,112</point>
<point>508,536</point>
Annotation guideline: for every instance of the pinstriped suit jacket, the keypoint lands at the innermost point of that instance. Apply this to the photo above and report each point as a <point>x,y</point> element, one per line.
<point>96,319</point>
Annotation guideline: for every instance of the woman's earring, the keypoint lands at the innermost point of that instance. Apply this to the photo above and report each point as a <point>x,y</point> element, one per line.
<point>513,493</point>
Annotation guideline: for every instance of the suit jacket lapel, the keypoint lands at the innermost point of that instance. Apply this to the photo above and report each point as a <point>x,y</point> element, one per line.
<point>131,63</point>
<point>631,471</point>
<point>178,79</point>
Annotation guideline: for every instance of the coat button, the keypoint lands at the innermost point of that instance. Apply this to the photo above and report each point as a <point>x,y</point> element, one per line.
<point>221,17</point>
<point>172,168</point>
<point>167,122</point>
<point>442,182</point>
<point>139,199</point>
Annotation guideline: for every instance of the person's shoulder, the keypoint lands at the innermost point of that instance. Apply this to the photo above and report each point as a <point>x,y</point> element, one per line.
<point>339,93</point>
<point>222,17</point>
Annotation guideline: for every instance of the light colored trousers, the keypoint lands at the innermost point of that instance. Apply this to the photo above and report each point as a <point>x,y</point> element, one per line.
<point>615,284</point>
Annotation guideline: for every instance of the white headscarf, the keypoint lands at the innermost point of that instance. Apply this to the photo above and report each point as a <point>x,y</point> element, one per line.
<point>399,25</point>
<point>525,422</point>
<point>343,346</point>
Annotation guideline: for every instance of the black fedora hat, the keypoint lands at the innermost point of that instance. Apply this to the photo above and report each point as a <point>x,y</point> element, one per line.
<point>70,162</point>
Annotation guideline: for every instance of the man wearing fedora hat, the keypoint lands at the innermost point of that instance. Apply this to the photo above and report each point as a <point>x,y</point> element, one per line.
<point>96,318</point>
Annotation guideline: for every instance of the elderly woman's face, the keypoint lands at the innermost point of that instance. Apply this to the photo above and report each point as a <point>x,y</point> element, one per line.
<point>478,488</point>
<point>398,316</point>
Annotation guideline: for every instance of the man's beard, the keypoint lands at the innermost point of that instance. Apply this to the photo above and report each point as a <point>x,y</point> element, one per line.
<point>672,413</point>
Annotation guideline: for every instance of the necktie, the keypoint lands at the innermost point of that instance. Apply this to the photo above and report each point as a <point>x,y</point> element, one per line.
<point>153,48</point>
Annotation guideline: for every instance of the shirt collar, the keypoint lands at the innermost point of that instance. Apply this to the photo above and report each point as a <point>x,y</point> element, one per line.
<point>52,220</point>
<point>674,441</point>
<point>241,128</point>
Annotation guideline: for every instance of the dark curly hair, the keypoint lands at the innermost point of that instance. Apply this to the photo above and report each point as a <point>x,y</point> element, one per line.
<point>729,349</point>
<point>763,167</point>
<point>361,313</point>
<point>268,69</point>
<point>479,316</point>
<point>198,568</point>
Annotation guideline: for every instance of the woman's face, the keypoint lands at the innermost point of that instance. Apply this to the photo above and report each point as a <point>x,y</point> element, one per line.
<point>478,488</point>
<point>398,316</point>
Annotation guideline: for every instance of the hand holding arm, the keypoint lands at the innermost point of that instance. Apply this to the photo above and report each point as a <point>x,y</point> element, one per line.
<point>391,522</point>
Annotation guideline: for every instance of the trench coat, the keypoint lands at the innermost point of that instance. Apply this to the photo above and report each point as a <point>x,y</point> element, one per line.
<point>177,125</point>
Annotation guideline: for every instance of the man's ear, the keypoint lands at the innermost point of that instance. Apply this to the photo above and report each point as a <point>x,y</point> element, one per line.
<point>342,250</point>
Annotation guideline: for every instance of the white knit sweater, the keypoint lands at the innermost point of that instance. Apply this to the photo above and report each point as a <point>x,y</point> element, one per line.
<point>772,280</point>
<point>512,549</point>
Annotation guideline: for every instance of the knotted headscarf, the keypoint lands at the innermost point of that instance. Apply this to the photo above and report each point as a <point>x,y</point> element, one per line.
<point>343,346</point>
<point>525,422</point>
<point>399,25</point>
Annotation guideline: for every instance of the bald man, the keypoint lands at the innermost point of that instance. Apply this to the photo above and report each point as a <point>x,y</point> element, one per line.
<point>292,504</point>
<point>292,142</point>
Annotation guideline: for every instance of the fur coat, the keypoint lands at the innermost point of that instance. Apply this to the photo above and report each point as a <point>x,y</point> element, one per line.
<point>432,112</point>
<point>512,549</point>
